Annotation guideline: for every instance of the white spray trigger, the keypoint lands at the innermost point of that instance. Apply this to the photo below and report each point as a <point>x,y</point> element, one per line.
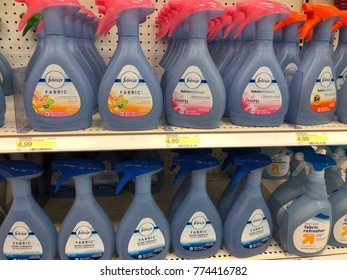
<point>302,163</point>
<point>340,158</point>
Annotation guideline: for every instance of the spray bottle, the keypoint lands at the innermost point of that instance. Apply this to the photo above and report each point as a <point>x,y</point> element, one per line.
<point>306,225</point>
<point>313,88</point>
<point>57,94</point>
<point>27,233</point>
<point>6,79</point>
<point>86,232</point>
<point>143,232</point>
<point>248,225</point>
<point>333,176</point>
<point>196,228</point>
<point>258,94</point>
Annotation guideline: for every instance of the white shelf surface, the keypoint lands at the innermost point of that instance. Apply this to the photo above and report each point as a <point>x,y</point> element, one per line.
<point>164,137</point>
<point>116,206</point>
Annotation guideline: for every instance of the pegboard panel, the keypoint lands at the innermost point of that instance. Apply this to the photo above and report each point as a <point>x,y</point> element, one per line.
<point>19,49</point>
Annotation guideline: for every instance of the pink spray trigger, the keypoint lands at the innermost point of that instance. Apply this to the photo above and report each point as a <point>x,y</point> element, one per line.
<point>254,10</point>
<point>167,19</point>
<point>212,25</point>
<point>226,19</point>
<point>237,18</point>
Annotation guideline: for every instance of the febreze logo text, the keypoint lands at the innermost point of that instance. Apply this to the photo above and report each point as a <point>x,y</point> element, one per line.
<point>55,79</point>
<point>83,232</point>
<point>192,80</point>
<point>257,220</point>
<point>20,233</point>
<point>325,79</point>
<point>263,80</point>
<point>130,79</point>
<point>199,222</point>
<point>146,229</point>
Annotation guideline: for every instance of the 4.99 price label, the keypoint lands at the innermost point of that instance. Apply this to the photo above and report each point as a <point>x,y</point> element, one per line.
<point>181,141</point>
<point>35,144</point>
<point>312,139</point>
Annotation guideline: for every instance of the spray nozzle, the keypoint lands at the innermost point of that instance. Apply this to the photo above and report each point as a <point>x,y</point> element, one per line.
<point>221,22</point>
<point>183,152</point>
<point>316,12</point>
<point>300,157</point>
<point>238,17</point>
<point>246,164</point>
<point>19,168</point>
<point>236,152</point>
<point>257,10</point>
<point>319,162</point>
<point>302,149</point>
<point>33,21</point>
<point>293,18</point>
<point>75,167</point>
<point>136,167</point>
<point>341,22</point>
<point>191,163</point>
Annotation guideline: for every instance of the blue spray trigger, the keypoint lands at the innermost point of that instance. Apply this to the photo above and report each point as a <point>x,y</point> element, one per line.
<point>136,167</point>
<point>235,152</point>
<point>75,167</point>
<point>319,162</point>
<point>18,168</point>
<point>191,163</point>
<point>182,152</point>
<point>307,150</point>
<point>246,164</point>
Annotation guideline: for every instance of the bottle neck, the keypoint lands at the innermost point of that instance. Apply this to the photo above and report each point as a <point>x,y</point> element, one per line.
<point>254,178</point>
<point>20,187</point>
<point>198,182</point>
<point>54,16</point>
<point>198,26</point>
<point>128,23</point>
<point>322,31</point>
<point>265,27</point>
<point>315,186</point>
<point>83,185</point>
<point>52,41</point>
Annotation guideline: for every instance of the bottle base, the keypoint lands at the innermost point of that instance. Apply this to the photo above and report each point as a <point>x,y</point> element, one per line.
<point>49,127</point>
<point>200,125</point>
<point>243,121</point>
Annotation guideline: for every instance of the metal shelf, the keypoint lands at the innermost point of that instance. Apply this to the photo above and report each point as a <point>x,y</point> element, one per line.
<point>17,137</point>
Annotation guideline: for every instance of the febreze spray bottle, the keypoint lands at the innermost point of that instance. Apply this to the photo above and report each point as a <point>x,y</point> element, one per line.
<point>229,195</point>
<point>143,232</point>
<point>6,79</point>
<point>313,88</point>
<point>258,94</point>
<point>284,195</point>
<point>86,233</point>
<point>183,189</point>
<point>27,233</point>
<point>130,97</point>
<point>333,176</point>
<point>306,224</point>
<point>196,228</point>
<point>247,230</point>
<point>288,52</point>
<point>57,94</point>
<point>340,54</point>
<point>195,94</point>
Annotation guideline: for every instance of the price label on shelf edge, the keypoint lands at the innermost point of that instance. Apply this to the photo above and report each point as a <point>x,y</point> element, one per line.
<point>35,144</point>
<point>312,139</point>
<point>181,141</point>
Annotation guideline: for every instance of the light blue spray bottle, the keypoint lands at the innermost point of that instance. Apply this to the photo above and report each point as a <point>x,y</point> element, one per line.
<point>305,226</point>
<point>333,176</point>
<point>258,94</point>
<point>340,54</point>
<point>248,225</point>
<point>229,195</point>
<point>6,79</point>
<point>183,189</point>
<point>195,94</point>
<point>130,97</point>
<point>288,52</point>
<point>27,233</point>
<point>86,233</point>
<point>143,232</point>
<point>286,193</point>
<point>57,94</point>
<point>313,88</point>
<point>196,228</point>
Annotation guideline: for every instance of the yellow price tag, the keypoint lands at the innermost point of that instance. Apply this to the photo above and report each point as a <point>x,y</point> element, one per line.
<point>181,141</point>
<point>31,144</point>
<point>311,139</point>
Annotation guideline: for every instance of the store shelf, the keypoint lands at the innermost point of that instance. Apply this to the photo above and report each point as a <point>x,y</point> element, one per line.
<point>17,136</point>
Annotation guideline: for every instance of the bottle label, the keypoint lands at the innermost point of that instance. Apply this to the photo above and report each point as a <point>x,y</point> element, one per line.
<point>55,95</point>
<point>21,243</point>
<point>279,166</point>
<point>192,95</point>
<point>323,96</point>
<point>129,96</point>
<point>198,234</point>
<point>262,95</point>
<point>107,179</point>
<point>341,79</point>
<point>84,243</point>
<point>340,230</point>
<point>67,186</point>
<point>289,72</point>
<point>147,240</point>
<point>312,235</point>
<point>257,231</point>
